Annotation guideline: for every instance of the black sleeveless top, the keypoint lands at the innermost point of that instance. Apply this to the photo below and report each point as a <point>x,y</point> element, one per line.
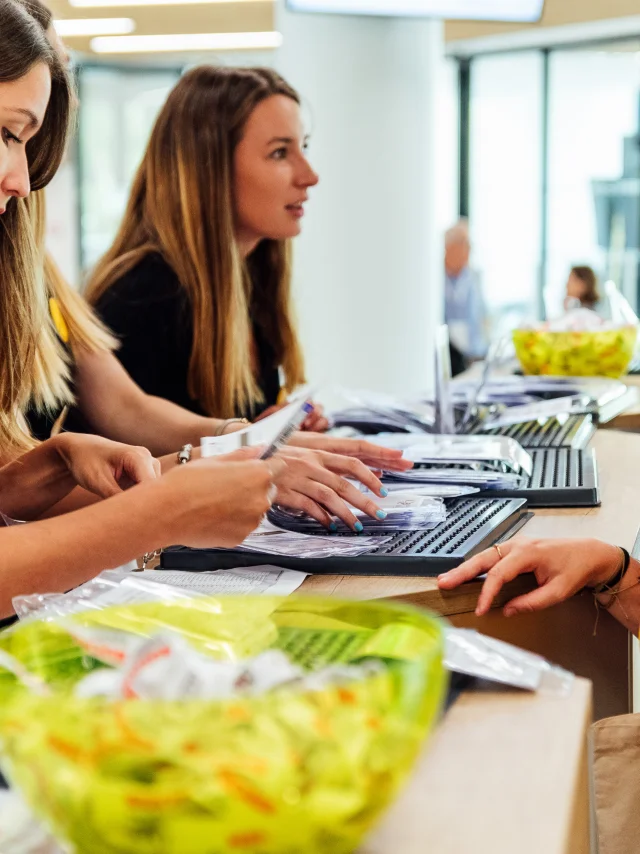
<point>149,311</point>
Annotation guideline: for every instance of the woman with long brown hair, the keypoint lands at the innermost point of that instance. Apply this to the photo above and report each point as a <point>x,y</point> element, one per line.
<point>197,284</point>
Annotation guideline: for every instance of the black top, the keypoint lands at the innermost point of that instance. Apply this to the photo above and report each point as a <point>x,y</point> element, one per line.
<point>150,313</point>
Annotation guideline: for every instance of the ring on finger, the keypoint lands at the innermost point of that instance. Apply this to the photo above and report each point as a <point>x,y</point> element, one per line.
<point>499,550</point>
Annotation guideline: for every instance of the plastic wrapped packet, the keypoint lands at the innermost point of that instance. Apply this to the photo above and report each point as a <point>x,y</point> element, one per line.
<point>430,490</point>
<point>469,652</point>
<point>500,451</point>
<point>308,546</point>
<point>289,770</point>
<point>459,475</point>
<point>111,587</point>
<point>410,513</point>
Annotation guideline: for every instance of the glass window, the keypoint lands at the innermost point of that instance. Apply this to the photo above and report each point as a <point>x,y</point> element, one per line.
<point>118,109</point>
<point>505,179</point>
<point>593,108</point>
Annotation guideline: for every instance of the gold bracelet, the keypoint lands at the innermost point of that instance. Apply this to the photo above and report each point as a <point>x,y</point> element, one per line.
<point>222,427</point>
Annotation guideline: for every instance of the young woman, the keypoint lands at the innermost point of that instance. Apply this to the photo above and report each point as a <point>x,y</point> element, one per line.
<point>204,502</point>
<point>197,283</point>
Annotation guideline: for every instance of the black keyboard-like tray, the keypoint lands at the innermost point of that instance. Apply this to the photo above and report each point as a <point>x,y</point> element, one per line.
<point>575,432</point>
<point>473,524</point>
<point>561,478</point>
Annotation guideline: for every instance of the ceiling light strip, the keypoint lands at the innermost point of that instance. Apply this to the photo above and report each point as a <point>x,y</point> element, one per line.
<point>92,4</point>
<point>178,43</point>
<point>72,27</point>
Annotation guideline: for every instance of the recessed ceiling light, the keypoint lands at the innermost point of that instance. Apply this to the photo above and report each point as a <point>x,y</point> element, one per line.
<point>70,27</point>
<point>187,41</point>
<point>86,4</point>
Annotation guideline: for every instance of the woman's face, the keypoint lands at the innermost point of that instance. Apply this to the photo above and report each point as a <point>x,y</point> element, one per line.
<point>271,173</point>
<point>23,104</point>
<point>575,287</point>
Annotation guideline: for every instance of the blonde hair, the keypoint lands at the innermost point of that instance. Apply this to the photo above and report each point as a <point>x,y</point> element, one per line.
<point>32,362</point>
<point>85,329</point>
<point>182,207</point>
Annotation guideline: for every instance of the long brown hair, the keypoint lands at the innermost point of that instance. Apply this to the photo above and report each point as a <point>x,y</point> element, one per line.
<point>591,295</point>
<point>181,206</point>
<point>32,363</point>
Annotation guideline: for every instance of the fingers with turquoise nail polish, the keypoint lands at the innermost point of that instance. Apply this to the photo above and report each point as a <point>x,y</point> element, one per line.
<point>384,491</point>
<point>359,527</point>
<point>381,514</point>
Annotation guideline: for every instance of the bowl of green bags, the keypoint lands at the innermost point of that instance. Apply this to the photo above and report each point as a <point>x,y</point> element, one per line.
<point>290,770</point>
<point>605,352</point>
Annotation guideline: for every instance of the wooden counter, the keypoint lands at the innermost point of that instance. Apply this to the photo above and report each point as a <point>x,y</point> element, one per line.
<point>629,420</point>
<point>563,634</point>
<point>506,773</point>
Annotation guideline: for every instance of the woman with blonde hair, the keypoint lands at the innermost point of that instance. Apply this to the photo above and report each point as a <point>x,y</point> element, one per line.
<point>205,503</point>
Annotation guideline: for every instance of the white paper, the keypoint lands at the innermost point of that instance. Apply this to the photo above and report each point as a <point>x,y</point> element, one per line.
<point>276,429</point>
<point>265,580</point>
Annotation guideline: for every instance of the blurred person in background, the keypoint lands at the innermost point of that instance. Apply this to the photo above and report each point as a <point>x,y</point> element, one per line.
<point>464,304</point>
<point>582,289</point>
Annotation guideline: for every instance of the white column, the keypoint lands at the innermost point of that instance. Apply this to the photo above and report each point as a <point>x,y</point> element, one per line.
<point>368,268</point>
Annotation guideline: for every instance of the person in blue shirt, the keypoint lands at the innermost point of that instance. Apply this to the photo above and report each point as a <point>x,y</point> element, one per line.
<point>464,305</point>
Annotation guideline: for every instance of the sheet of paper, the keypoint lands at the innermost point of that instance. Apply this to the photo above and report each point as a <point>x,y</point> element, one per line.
<point>266,580</point>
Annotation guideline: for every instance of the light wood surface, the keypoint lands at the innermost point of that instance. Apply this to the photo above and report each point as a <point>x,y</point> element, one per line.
<point>565,633</point>
<point>505,773</point>
<point>629,420</point>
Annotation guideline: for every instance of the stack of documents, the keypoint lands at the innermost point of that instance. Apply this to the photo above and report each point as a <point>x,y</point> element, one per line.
<point>405,511</point>
<point>479,479</point>
<point>483,462</point>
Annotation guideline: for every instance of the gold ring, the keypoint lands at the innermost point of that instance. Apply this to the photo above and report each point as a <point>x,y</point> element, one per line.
<point>497,548</point>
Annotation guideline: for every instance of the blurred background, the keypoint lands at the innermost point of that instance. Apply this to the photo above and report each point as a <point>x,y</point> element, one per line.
<point>529,130</point>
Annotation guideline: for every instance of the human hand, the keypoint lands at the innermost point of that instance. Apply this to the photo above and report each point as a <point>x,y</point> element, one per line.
<point>315,481</point>
<point>372,455</point>
<point>561,568</point>
<point>104,467</point>
<point>314,422</point>
<point>217,502</point>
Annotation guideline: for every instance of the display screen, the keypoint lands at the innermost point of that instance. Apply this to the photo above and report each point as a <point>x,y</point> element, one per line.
<point>476,10</point>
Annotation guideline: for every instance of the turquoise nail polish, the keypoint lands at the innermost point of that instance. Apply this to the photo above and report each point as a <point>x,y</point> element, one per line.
<point>359,527</point>
<point>384,492</point>
<point>333,527</point>
<point>381,514</point>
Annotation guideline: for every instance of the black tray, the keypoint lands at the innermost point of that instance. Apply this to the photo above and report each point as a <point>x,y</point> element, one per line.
<point>576,432</point>
<point>473,524</point>
<point>561,478</point>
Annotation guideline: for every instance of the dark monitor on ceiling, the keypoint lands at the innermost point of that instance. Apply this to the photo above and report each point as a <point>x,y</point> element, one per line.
<point>521,11</point>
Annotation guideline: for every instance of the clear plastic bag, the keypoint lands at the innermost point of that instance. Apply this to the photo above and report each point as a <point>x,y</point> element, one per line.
<point>469,652</point>
<point>499,451</point>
